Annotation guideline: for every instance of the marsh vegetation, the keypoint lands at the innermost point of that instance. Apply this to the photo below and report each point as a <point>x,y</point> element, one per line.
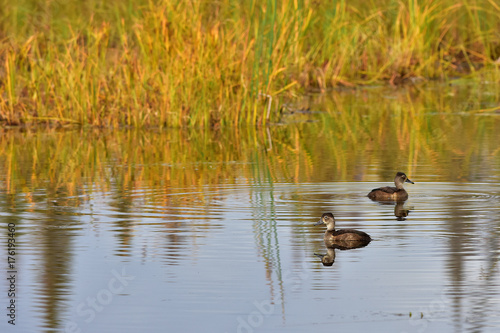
<point>214,63</point>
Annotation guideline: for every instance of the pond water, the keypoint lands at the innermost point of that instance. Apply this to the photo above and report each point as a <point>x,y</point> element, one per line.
<point>212,231</point>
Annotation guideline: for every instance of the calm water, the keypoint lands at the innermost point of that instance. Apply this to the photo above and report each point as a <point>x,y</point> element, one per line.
<point>213,232</point>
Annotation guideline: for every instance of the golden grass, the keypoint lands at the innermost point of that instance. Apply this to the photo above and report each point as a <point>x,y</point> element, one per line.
<point>180,63</point>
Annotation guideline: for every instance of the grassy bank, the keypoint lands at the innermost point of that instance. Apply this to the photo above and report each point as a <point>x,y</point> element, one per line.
<point>207,63</point>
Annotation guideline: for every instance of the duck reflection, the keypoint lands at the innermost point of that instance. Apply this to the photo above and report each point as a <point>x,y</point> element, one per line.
<point>341,239</point>
<point>400,211</point>
<point>329,258</point>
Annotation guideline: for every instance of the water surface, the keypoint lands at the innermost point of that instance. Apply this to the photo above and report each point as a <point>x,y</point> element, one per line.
<point>213,230</point>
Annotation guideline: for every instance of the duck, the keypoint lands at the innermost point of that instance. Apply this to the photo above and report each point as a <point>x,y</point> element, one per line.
<point>342,238</point>
<point>390,193</point>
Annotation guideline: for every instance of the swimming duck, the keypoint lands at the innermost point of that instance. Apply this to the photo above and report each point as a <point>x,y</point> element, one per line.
<point>343,238</point>
<point>391,193</point>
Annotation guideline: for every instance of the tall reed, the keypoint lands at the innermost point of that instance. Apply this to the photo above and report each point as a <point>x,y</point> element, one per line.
<point>177,63</point>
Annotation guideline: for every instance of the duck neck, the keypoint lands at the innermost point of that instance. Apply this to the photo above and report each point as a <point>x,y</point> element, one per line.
<point>330,227</point>
<point>399,185</point>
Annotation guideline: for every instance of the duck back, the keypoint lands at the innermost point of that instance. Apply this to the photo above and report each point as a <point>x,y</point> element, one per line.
<point>388,193</point>
<point>347,235</point>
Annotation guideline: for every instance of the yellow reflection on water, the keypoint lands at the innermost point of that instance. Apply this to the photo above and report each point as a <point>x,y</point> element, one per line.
<point>356,135</point>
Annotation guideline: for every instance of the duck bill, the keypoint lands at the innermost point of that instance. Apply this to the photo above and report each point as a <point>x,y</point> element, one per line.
<point>319,222</point>
<point>409,181</point>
